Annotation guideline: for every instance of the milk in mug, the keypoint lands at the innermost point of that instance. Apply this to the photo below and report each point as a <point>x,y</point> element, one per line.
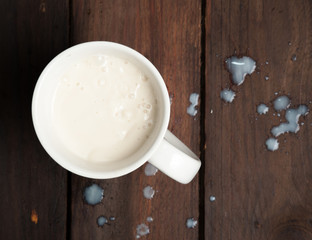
<point>104,108</point>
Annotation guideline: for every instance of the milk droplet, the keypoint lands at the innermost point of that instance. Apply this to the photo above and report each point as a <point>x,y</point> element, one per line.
<point>112,218</point>
<point>101,221</point>
<point>292,116</point>
<point>93,194</point>
<point>294,57</point>
<point>266,78</point>
<point>142,230</point>
<point>262,108</point>
<point>227,95</point>
<point>240,67</point>
<point>171,98</point>
<point>212,198</point>
<point>272,144</point>
<point>149,219</point>
<point>191,223</point>
<point>281,103</point>
<point>148,192</point>
<point>150,170</point>
<point>191,110</point>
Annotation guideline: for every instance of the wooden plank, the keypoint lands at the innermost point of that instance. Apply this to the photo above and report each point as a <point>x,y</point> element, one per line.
<point>259,194</point>
<point>33,32</point>
<point>167,33</point>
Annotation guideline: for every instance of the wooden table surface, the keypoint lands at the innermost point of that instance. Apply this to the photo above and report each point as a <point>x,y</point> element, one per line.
<point>258,194</point>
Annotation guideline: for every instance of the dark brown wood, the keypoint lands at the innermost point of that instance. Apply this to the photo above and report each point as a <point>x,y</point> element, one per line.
<point>259,194</point>
<point>32,33</point>
<point>167,33</point>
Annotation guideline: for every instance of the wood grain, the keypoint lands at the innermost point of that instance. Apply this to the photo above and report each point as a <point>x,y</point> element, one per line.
<point>259,194</point>
<point>32,33</point>
<point>168,34</point>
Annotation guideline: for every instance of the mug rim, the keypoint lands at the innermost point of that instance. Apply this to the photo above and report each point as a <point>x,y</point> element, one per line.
<point>57,157</point>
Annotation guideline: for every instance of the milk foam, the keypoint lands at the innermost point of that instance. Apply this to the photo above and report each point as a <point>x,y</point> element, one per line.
<point>104,108</point>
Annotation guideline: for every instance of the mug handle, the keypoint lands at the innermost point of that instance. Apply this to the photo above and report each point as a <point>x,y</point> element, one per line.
<point>175,159</point>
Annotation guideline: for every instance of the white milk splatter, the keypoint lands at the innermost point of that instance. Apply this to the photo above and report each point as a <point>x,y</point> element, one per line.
<point>101,221</point>
<point>272,144</point>
<point>262,108</point>
<point>142,230</point>
<point>148,192</point>
<point>240,67</point>
<point>292,116</point>
<point>93,194</point>
<point>191,110</point>
<point>191,223</point>
<point>149,219</point>
<point>281,103</point>
<point>212,198</point>
<point>150,170</point>
<point>227,95</point>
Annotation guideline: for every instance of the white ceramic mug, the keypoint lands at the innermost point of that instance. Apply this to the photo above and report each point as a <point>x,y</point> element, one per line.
<point>162,149</point>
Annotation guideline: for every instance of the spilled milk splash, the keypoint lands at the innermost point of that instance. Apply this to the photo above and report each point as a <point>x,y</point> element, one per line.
<point>191,110</point>
<point>93,194</point>
<point>281,103</point>
<point>272,144</point>
<point>240,67</point>
<point>292,116</point>
<point>142,230</point>
<point>148,192</point>
<point>149,219</point>
<point>227,95</point>
<point>150,170</point>
<point>101,221</point>
<point>191,223</point>
<point>262,108</point>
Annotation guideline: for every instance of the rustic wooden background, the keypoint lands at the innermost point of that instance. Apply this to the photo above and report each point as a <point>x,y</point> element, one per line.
<point>259,194</point>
